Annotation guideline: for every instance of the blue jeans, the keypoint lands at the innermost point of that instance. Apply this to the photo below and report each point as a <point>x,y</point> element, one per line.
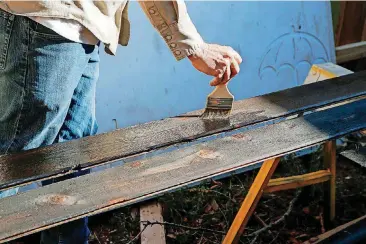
<point>47,95</point>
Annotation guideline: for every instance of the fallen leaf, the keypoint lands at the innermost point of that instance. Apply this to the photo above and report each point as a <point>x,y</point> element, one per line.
<point>294,233</point>
<point>214,186</point>
<point>222,225</point>
<point>306,210</point>
<point>208,208</point>
<point>134,213</point>
<point>313,239</point>
<point>217,182</point>
<point>238,194</point>
<point>302,236</point>
<point>201,240</point>
<point>172,236</point>
<point>214,205</point>
<point>294,241</point>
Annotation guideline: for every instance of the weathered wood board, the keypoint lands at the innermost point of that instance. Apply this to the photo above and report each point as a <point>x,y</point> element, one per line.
<point>152,212</point>
<point>61,202</point>
<point>61,158</point>
<point>350,52</point>
<point>346,233</point>
<point>357,156</point>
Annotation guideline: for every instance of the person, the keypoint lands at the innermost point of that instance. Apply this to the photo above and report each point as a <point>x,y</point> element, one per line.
<point>49,59</point>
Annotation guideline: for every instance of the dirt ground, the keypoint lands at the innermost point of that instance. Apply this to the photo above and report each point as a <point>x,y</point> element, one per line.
<point>204,213</point>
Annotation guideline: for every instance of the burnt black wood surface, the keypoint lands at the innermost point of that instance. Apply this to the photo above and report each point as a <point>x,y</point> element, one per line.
<point>60,158</point>
<point>61,202</point>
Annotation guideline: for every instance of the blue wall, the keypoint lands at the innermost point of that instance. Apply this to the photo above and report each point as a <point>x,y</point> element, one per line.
<point>277,40</point>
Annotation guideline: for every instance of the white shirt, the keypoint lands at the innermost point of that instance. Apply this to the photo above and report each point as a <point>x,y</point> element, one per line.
<point>108,21</point>
<point>70,29</point>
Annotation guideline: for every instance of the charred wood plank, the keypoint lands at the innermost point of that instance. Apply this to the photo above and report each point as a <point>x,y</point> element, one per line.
<point>62,158</point>
<point>134,182</point>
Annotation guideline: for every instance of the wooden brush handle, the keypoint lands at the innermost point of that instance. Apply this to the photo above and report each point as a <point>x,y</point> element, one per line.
<point>221,91</point>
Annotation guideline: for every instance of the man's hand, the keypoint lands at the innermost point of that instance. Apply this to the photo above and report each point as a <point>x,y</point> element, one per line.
<point>219,61</point>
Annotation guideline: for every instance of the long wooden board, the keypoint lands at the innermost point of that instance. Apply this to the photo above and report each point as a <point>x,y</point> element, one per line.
<point>350,52</point>
<point>346,233</point>
<point>61,202</point>
<point>63,157</point>
<point>152,212</point>
<point>358,156</point>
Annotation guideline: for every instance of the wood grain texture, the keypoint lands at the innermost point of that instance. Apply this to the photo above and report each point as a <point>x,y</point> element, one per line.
<point>358,156</point>
<point>330,159</point>
<point>351,22</point>
<point>363,38</point>
<point>350,52</point>
<point>340,21</point>
<point>297,181</point>
<point>133,182</point>
<point>251,200</point>
<point>335,235</point>
<point>63,157</point>
<point>152,212</point>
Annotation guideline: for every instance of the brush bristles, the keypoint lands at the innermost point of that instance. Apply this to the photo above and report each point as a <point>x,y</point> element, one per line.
<point>218,108</point>
<point>216,113</point>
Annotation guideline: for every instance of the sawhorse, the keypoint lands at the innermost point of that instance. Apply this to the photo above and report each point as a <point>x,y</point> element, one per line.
<point>264,184</point>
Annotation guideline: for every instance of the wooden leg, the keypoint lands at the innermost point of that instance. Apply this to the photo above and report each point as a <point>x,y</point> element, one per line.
<point>152,234</point>
<point>251,201</point>
<point>330,186</point>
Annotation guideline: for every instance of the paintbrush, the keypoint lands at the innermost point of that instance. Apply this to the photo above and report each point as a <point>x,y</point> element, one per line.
<point>219,103</point>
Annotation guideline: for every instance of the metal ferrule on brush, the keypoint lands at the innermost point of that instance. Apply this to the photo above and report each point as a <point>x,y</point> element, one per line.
<point>219,103</point>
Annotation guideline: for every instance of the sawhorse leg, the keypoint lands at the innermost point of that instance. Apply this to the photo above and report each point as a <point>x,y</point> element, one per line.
<point>152,212</point>
<point>330,186</point>
<point>264,183</point>
<point>251,200</point>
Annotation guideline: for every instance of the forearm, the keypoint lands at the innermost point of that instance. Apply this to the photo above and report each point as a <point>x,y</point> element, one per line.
<point>172,21</point>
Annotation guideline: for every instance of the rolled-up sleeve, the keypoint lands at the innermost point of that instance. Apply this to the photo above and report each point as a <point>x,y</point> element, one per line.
<point>171,20</point>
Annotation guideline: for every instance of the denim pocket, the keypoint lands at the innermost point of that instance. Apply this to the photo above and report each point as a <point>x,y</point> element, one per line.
<point>6,26</point>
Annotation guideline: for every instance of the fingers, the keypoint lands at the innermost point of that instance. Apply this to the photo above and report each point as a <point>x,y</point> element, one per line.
<point>235,69</point>
<point>227,51</point>
<point>227,71</point>
<point>230,52</point>
<point>223,72</point>
<point>222,62</point>
<point>215,81</point>
<point>219,77</point>
<point>234,65</point>
<point>232,61</point>
<point>237,56</point>
<point>229,68</point>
